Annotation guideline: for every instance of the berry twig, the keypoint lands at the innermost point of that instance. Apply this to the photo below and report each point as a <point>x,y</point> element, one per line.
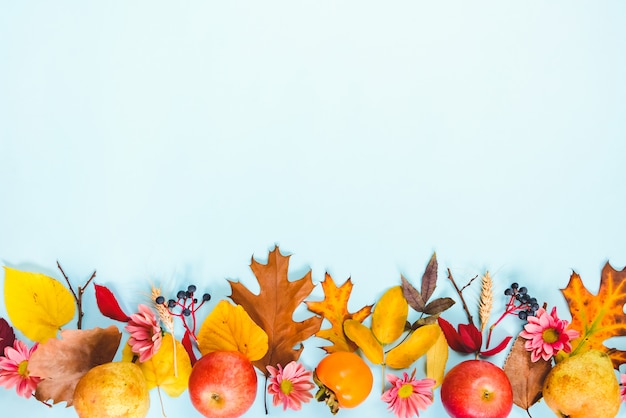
<point>78,295</point>
<point>520,303</point>
<point>185,306</point>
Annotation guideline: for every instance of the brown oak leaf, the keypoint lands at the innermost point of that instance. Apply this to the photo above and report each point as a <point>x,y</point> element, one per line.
<point>598,317</point>
<point>334,308</point>
<point>273,308</point>
<point>526,376</point>
<point>62,362</point>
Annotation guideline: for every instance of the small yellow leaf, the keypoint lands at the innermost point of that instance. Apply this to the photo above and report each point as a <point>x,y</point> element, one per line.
<point>415,346</point>
<point>160,370</point>
<point>362,336</point>
<point>37,305</point>
<point>436,359</point>
<point>390,315</point>
<point>229,327</point>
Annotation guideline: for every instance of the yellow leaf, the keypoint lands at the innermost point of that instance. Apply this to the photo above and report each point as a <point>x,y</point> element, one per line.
<point>163,369</point>
<point>229,327</point>
<point>37,305</point>
<point>436,359</point>
<point>390,315</point>
<point>362,336</point>
<point>415,346</point>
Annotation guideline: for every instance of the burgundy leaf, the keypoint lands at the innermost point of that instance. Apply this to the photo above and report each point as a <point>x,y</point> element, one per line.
<point>7,336</point>
<point>471,337</point>
<point>429,279</point>
<point>412,295</point>
<point>435,307</point>
<point>107,303</point>
<point>457,342</point>
<point>497,348</point>
<point>186,342</point>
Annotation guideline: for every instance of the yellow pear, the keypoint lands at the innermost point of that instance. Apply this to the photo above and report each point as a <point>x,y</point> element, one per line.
<point>583,386</point>
<point>112,390</point>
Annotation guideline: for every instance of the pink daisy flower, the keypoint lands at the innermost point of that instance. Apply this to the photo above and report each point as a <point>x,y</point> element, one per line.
<point>14,369</point>
<point>622,391</point>
<point>290,386</point>
<point>145,333</point>
<point>407,395</point>
<point>547,335</point>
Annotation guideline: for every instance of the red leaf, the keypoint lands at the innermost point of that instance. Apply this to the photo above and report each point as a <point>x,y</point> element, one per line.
<point>107,303</point>
<point>467,340</point>
<point>471,337</point>
<point>495,350</point>
<point>186,342</point>
<point>7,336</point>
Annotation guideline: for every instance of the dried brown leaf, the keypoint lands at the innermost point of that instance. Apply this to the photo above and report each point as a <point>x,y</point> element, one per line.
<point>62,362</point>
<point>429,279</point>
<point>526,376</point>
<point>437,306</point>
<point>412,295</point>
<point>273,308</point>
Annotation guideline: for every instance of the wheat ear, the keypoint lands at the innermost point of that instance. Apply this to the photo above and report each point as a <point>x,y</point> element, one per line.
<point>166,319</point>
<point>486,300</point>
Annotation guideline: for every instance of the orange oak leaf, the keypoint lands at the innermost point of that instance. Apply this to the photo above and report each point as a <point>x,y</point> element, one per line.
<point>273,308</point>
<point>334,308</point>
<point>598,317</point>
<point>62,362</point>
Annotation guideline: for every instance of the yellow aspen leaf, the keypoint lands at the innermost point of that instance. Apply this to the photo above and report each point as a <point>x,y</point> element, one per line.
<point>436,359</point>
<point>37,305</point>
<point>169,368</point>
<point>334,308</point>
<point>598,317</point>
<point>389,317</point>
<point>415,346</point>
<point>229,327</point>
<point>362,336</point>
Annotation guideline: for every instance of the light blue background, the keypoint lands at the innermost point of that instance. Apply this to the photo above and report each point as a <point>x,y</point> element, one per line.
<point>163,142</point>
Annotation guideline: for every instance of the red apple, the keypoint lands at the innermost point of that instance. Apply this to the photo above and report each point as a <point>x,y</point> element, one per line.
<point>476,389</point>
<point>222,384</point>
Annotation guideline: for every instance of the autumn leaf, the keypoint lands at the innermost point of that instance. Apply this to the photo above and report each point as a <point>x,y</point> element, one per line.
<point>7,336</point>
<point>413,347</point>
<point>389,317</point>
<point>334,308</point>
<point>598,317</point>
<point>230,328</point>
<point>273,308</point>
<point>62,362</point>
<point>108,305</point>
<point>436,359</point>
<point>37,305</point>
<point>526,376</point>
<point>169,368</point>
<point>365,340</point>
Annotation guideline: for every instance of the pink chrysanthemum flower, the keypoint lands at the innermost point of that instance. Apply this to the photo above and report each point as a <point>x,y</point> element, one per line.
<point>622,391</point>
<point>547,335</point>
<point>145,333</point>
<point>407,395</point>
<point>290,386</point>
<point>14,369</point>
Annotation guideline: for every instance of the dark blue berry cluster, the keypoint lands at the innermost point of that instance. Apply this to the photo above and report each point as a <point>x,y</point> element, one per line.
<point>521,302</point>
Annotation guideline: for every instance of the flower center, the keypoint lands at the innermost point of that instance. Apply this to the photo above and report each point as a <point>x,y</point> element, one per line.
<point>550,335</point>
<point>22,368</point>
<point>405,391</point>
<point>286,386</point>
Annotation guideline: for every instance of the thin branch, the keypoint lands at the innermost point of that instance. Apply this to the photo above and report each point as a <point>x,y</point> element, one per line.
<point>78,296</point>
<point>460,293</point>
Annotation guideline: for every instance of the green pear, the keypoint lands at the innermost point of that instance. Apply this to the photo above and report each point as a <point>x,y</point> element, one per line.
<point>583,385</point>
